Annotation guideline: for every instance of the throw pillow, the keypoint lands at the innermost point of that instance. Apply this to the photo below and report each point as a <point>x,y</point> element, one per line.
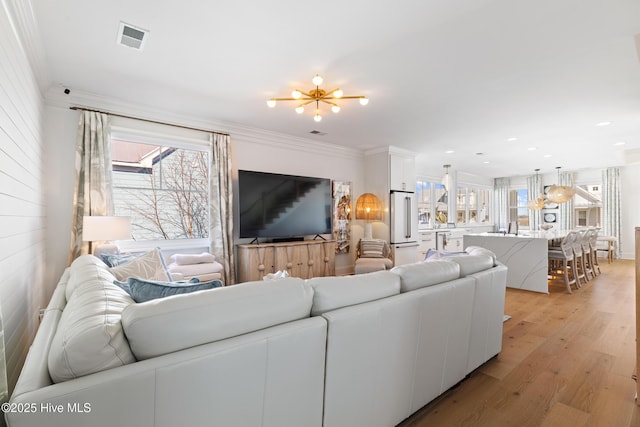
<point>146,290</point>
<point>113,260</point>
<point>125,285</point>
<point>433,254</point>
<point>148,266</point>
<point>372,248</point>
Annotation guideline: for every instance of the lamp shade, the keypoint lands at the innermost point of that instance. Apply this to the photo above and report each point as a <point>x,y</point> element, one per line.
<point>98,228</point>
<point>536,204</point>
<point>369,207</point>
<point>560,193</point>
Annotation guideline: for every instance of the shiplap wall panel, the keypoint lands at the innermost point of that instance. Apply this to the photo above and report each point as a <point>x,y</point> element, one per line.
<point>22,211</point>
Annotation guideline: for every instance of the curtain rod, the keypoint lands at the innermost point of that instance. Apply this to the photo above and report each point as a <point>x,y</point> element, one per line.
<point>147,120</point>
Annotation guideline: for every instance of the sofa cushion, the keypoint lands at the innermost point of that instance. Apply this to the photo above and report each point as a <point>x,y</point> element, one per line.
<point>84,268</point>
<point>330,293</point>
<point>142,290</point>
<point>470,264</point>
<point>170,324</point>
<point>478,250</point>
<point>433,254</point>
<point>423,274</point>
<point>148,266</point>
<point>89,337</point>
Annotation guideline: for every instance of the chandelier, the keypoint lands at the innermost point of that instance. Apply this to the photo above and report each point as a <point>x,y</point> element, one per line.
<point>317,95</point>
<point>537,203</point>
<point>557,194</point>
<point>560,193</point>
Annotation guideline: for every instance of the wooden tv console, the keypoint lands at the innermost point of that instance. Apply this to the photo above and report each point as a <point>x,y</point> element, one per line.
<point>304,259</point>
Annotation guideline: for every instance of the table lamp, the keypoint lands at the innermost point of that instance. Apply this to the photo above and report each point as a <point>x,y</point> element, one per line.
<point>105,229</point>
<point>369,208</point>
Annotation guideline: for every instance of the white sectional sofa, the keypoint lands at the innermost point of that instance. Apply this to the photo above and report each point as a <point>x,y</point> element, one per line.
<point>365,350</point>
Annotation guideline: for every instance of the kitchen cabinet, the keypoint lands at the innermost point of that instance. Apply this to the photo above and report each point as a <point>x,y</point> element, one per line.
<point>426,241</point>
<point>402,172</point>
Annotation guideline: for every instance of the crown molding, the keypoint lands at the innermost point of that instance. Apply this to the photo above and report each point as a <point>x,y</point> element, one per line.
<point>24,24</point>
<point>390,149</point>
<point>55,97</point>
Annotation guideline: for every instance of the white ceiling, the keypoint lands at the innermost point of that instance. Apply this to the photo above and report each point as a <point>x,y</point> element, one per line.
<point>462,75</point>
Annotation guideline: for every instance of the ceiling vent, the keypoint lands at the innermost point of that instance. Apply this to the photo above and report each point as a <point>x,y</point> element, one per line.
<point>131,36</point>
<point>317,132</point>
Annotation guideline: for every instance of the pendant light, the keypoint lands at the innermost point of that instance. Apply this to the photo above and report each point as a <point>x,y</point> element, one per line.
<point>537,203</point>
<point>446,179</point>
<point>560,193</point>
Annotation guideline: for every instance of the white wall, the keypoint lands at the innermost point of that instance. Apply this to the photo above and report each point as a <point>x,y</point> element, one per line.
<point>22,211</point>
<point>277,153</point>
<point>630,207</point>
<point>252,150</point>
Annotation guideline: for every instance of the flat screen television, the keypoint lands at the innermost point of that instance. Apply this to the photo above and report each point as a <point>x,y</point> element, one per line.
<point>283,206</point>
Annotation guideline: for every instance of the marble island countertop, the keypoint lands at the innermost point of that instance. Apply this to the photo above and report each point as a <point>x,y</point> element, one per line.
<point>525,256</point>
<point>547,235</point>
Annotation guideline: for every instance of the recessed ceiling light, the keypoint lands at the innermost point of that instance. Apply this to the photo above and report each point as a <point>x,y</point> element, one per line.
<point>620,143</point>
<point>603,124</point>
<point>512,139</point>
<point>532,149</point>
<point>547,155</point>
<point>449,152</point>
<point>486,162</point>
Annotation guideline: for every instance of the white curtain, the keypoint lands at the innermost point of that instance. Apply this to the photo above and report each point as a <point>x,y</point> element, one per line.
<point>221,201</point>
<point>501,187</point>
<point>611,205</point>
<point>92,194</point>
<point>534,189</point>
<point>566,211</point>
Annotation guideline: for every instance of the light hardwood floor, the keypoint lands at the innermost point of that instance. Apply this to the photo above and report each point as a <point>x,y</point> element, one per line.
<point>566,360</point>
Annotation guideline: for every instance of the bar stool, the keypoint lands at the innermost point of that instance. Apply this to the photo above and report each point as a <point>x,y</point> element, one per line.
<point>593,246</point>
<point>564,261</point>
<point>578,254</point>
<point>609,243</point>
<point>587,263</point>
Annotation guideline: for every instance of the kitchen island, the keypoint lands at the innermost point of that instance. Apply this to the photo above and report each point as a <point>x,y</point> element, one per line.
<point>525,256</point>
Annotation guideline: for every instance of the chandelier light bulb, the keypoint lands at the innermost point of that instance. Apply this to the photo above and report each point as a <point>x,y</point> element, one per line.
<point>317,117</point>
<point>364,101</point>
<point>317,80</point>
<point>296,94</point>
<point>299,110</point>
<point>271,103</point>
<point>338,93</point>
<point>335,109</point>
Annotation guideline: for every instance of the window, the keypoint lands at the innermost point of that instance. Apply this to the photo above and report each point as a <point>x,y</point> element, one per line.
<point>588,205</point>
<point>428,192</point>
<point>163,187</point>
<point>423,195</point>
<point>472,204</point>
<point>518,210</point>
<point>442,207</point>
<point>461,205</point>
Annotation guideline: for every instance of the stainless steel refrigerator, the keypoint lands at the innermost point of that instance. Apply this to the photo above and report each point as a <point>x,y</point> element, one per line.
<point>404,227</point>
